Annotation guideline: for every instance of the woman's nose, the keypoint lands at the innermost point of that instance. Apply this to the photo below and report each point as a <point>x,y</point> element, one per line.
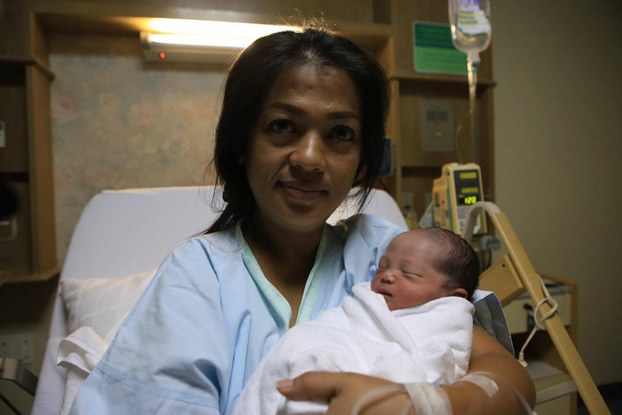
<point>308,153</point>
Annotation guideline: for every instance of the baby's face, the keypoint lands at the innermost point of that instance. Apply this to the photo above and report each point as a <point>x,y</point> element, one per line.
<point>405,275</point>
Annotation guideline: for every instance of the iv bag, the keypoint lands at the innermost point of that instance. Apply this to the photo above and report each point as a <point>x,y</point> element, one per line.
<point>471,33</point>
<point>470,26</point>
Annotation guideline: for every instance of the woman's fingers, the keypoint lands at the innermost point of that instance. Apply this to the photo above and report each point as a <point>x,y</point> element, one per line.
<point>345,391</point>
<point>312,386</point>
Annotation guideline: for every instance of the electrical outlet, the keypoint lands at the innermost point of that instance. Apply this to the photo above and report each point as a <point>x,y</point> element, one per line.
<point>25,348</point>
<point>4,346</point>
<point>436,125</point>
<point>17,346</point>
<point>408,200</point>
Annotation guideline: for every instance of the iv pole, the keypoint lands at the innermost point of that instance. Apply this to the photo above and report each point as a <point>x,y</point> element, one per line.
<point>514,273</point>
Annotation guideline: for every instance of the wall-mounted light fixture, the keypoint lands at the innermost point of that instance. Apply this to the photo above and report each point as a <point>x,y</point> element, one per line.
<point>201,40</point>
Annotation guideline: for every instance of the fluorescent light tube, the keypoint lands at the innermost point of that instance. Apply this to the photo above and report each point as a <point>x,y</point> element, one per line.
<point>201,40</point>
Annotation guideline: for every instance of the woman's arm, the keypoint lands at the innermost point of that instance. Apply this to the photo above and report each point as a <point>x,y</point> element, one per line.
<point>343,390</point>
<point>487,355</point>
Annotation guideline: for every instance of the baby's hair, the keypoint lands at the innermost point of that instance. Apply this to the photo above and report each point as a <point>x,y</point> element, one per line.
<point>459,262</point>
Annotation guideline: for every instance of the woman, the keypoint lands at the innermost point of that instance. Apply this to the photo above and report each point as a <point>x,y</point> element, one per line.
<point>302,123</point>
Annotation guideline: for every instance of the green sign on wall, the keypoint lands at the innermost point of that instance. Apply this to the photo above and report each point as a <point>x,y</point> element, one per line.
<point>434,51</point>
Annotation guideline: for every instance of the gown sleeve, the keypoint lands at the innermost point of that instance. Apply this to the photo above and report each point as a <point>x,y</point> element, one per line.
<point>173,353</point>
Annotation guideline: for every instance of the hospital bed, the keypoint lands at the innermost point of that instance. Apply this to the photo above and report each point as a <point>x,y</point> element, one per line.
<point>513,274</point>
<point>120,238</point>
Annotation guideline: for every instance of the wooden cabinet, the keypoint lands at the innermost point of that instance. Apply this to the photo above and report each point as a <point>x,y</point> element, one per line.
<point>13,33</point>
<point>544,362</point>
<point>416,163</point>
<point>27,244</point>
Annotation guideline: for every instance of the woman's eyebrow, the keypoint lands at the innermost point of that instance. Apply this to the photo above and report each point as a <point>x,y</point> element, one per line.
<point>344,115</point>
<point>285,106</point>
<point>299,111</point>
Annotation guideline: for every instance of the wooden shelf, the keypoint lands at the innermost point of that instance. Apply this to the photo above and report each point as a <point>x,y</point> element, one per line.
<point>28,246</point>
<point>24,61</point>
<point>414,77</point>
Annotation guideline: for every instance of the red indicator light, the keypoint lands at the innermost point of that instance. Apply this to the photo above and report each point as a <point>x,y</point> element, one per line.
<point>162,55</point>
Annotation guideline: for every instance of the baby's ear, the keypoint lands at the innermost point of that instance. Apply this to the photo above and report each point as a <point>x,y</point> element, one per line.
<point>459,292</point>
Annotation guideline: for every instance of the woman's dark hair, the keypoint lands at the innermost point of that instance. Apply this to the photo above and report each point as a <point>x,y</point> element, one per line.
<point>251,77</point>
<point>459,263</point>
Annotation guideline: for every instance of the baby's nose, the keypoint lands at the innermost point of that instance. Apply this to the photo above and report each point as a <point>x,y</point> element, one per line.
<point>388,277</point>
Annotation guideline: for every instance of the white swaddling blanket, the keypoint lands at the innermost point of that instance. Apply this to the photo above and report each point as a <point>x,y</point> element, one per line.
<point>429,343</point>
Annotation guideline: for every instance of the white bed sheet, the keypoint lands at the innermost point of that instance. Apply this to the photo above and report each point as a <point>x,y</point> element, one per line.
<point>121,232</point>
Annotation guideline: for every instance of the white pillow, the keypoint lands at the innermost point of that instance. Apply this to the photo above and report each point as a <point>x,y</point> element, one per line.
<point>101,303</point>
<point>95,308</point>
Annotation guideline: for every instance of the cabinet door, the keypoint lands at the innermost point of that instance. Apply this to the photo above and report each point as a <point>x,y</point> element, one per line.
<point>41,180</point>
<point>15,249</point>
<point>14,17</point>
<point>14,145</point>
<point>27,240</point>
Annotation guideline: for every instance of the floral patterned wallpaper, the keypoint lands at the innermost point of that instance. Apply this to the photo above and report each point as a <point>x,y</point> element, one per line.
<point>120,122</point>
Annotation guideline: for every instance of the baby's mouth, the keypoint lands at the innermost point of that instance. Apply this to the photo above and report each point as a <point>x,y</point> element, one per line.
<point>384,293</point>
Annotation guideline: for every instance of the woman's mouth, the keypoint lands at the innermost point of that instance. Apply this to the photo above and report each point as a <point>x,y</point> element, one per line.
<point>301,192</point>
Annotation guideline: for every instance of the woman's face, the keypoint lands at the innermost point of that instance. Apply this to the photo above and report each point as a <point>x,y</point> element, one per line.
<point>305,147</point>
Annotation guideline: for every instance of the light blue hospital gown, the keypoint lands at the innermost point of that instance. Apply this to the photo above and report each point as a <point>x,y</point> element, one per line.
<point>209,316</point>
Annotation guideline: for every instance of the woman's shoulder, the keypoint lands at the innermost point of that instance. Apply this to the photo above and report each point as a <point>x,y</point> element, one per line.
<point>365,238</point>
<point>372,229</point>
<point>203,250</point>
<point>224,241</point>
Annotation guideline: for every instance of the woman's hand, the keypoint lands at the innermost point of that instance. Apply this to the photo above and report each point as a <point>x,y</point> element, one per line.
<point>343,391</point>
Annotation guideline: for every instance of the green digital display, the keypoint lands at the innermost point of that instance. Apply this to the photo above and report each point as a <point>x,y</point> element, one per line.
<point>466,175</point>
<point>468,191</point>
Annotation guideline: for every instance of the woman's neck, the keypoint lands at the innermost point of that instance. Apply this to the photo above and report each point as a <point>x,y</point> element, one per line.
<point>286,257</point>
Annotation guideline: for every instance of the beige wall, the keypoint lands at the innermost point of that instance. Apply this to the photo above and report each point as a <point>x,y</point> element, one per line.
<point>558,138</point>
<point>120,122</point>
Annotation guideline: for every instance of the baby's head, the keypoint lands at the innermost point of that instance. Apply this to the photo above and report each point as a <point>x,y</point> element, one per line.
<point>426,264</point>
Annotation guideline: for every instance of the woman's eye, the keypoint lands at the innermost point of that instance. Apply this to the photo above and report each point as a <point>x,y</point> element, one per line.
<point>343,133</point>
<point>282,126</point>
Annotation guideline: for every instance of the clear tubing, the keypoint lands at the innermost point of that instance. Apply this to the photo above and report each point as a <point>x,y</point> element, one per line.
<point>471,33</point>
<point>472,65</point>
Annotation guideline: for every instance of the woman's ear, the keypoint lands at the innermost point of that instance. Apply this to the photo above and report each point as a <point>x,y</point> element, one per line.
<point>360,175</point>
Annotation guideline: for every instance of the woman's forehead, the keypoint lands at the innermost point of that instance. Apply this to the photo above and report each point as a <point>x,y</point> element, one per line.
<point>309,78</point>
